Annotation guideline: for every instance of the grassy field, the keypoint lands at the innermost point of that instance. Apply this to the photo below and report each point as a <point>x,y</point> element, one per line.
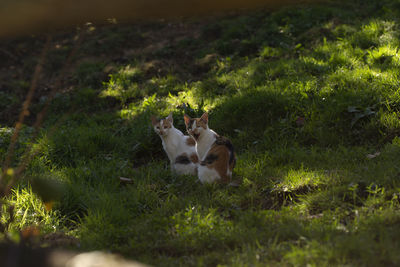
<point>309,96</point>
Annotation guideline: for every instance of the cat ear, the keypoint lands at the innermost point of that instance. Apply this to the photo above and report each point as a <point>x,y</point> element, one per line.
<point>187,119</point>
<point>154,120</point>
<point>204,117</point>
<point>170,118</point>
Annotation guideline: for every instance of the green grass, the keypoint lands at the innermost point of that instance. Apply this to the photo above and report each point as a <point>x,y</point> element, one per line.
<point>309,97</point>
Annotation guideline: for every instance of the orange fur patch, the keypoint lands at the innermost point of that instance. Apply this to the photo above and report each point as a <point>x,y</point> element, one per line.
<point>201,123</point>
<point>167,123</point>
<point>190,141</point>
<point>194,158</point>
<point>187,119</point>
<point>221,164</point>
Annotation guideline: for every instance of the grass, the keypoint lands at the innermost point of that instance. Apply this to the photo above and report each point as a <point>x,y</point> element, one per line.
<point>308,95</point>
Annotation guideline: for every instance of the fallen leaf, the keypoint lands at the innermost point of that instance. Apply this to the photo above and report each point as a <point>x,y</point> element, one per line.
<point>371,156</point>
<point>125,180</point>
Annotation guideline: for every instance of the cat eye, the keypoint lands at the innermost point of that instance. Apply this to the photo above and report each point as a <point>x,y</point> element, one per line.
<point>165,127</point>
<point>158,127</point>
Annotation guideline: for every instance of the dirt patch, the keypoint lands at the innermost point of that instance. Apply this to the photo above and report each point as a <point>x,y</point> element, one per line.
<point>59,240</point>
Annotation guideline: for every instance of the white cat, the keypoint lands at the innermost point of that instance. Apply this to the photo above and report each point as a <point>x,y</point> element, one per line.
<point>180,148</point>
<point>216,154</point>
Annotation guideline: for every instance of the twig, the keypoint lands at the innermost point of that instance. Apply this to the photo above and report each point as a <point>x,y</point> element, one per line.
<point>24,112</point>
<point>29,152</point>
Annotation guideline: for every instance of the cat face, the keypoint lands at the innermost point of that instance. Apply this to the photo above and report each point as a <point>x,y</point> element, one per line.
<point>162,126</point>
<point>196,126</point>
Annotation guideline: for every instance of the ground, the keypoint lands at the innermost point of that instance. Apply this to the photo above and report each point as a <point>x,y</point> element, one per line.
<point>308,95</point>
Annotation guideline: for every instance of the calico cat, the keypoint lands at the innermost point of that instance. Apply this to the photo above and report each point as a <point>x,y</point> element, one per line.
<point>180,148</point>
<point>216,155</point>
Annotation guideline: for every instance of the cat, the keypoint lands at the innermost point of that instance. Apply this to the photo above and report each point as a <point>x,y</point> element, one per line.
<point>216,154</point>
<point>180,148</point>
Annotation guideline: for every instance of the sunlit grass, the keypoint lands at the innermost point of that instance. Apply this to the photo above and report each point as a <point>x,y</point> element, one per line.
<point>29,210</point>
